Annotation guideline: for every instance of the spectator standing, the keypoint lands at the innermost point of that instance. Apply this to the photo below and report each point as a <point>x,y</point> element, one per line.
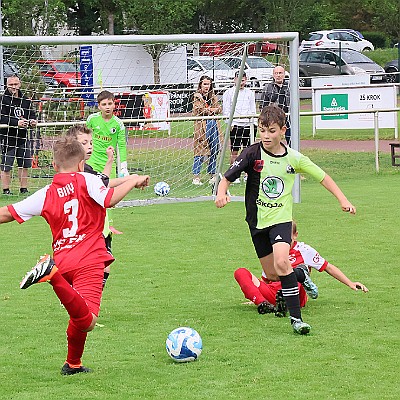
<point>18,113</point>
<point>207,132</point>
<point>245,105</point>
<point>277,92</point>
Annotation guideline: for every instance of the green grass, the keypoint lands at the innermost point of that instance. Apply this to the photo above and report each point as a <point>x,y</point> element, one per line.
<point>175,267</point>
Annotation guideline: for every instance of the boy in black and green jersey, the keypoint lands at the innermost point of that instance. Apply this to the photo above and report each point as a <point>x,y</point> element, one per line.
<point>108,130</point>
<point>271,169</point>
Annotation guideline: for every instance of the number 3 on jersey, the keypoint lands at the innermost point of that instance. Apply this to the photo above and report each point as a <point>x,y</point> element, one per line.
<point>71,208</point>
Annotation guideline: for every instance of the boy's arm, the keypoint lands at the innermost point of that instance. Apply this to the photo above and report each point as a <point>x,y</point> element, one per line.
<point>329,184</point>
<point>110,159</point>
<point>222,198</point>
<point>341,277</point>
<point>114,182</point>
<point>5,215</point>
<point>122,151</point>
<point>135,181</point>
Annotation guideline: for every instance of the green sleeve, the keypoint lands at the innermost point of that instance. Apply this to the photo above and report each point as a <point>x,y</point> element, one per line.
<point>122,142</point>
<point>307,166</point>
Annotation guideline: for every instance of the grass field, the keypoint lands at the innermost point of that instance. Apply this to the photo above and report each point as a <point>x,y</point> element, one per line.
<point>175,267</point>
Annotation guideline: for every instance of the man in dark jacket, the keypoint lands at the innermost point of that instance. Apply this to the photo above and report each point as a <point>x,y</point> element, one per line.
<point>277,92</point>
<point>17,112</point>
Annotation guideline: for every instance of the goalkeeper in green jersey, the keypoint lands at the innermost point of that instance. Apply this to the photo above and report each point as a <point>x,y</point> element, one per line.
<point>108,130</point>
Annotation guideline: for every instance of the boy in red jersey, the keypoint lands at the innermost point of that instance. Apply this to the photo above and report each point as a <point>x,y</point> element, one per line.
<point>74,206</point>
<point>266,294</point>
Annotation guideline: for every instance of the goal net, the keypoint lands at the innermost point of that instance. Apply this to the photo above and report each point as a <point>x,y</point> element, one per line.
<point>153,79</point>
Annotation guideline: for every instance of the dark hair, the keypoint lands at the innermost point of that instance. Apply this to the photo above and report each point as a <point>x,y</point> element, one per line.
<point>68,152</point>
<point>105,94</point>
<point>211,91</point>
<point>272,114</point>
<point>78,129</point>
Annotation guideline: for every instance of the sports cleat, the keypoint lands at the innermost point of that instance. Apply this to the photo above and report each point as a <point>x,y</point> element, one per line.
<point>299,326</point>
<point>41,272</point>
<point>67,370</point>
<point>309,286</point>
<point>280,308</point>
<point>265,308</point>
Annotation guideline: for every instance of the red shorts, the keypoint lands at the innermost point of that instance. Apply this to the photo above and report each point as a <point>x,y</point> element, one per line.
<point>88,282</point>
<point>268,290</point>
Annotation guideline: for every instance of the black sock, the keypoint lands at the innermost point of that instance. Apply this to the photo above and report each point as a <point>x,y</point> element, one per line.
<point>300,275</point>
<point>105,277</point>
<point>290,292</point>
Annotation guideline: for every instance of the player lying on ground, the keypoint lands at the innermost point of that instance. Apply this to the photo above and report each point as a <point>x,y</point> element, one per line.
<point>267,295</point>
<point>74,206</point>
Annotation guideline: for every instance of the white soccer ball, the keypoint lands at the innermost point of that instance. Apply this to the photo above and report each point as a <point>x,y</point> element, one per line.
<point>184,344</point>
<point>161,189</point>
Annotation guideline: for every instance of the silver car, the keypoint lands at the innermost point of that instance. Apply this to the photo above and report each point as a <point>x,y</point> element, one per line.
<point>324,62</point>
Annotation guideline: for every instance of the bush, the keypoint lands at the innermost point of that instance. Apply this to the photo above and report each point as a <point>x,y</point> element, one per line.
<point>378,39</point>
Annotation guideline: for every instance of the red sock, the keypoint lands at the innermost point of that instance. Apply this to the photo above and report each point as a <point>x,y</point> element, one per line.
<point>76,344</point>
<point>69,297</point>
<point>249,289</point>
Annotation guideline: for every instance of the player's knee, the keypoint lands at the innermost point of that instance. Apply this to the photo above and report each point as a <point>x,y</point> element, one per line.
<point>92,325</point>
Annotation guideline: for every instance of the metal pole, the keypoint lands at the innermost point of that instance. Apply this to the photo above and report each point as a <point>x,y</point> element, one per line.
<point>1,52</point>
<point>229,123</point>
<point>376,135</point>
<point>294,108</point>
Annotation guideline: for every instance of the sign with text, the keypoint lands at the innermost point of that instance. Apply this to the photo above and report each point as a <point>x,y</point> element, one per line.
<point>354,98</point>
<point>86,69</point>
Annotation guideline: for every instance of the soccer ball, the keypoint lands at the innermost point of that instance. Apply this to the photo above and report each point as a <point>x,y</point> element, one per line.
<point>161,189</point>
<point>184,344</point>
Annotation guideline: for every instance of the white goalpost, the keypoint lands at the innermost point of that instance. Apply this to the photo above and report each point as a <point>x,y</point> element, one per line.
<point>153,79</point>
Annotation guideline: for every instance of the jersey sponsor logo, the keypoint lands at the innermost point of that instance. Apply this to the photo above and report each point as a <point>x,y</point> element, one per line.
<point>102,138</point>
<point>262,203</point>
<point>258,165</point>
<point>272,186</point>
<point>66,190</point>
<point>290,169</point>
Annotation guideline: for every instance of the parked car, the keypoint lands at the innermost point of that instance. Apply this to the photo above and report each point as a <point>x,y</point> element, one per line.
<point>258,69</point>
<point>392,68</point>
<point>223,48</point>
<point>221,73</point>
<point>61,73</point>
<point>334,39</point>
<point>359,34</point>
<point>325,62</point>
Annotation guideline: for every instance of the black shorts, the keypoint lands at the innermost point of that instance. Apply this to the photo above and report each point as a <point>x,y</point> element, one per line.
<point>21,150</point>
<point>263,239</point>
<point>240,137</point>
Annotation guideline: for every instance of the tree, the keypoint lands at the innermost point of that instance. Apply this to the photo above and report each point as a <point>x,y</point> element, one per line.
<point>33,17</point>
<point>159,17</point>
